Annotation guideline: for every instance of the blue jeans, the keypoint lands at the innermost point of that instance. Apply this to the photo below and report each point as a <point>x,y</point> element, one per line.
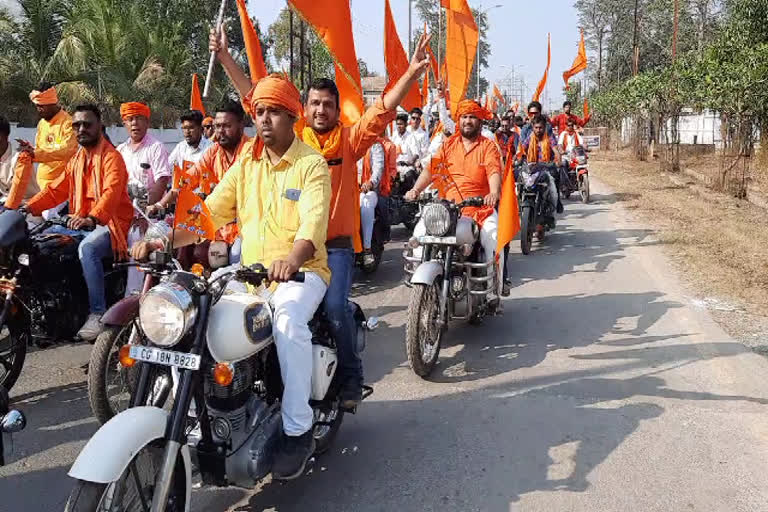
<point>342,323</point>
<point>94,246</point>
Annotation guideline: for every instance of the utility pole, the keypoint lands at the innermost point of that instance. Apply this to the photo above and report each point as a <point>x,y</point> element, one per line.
<point>674,30</point>
<point>635,48</point>
<point>439,36</point>
<point>410,33</point>
<point>290,31</point>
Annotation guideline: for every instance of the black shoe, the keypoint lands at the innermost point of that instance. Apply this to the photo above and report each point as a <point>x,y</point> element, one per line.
<point>506,288</point>
<point>560,208</point>
<point>351,394</point>
<point>292,458</point>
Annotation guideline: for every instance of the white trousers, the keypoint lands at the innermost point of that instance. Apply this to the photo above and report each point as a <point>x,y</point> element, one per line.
<point>294,305</point>
<point>488,238</point>
<point>368,202</point>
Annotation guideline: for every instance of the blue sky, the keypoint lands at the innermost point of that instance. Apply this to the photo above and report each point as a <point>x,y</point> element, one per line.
<point>518,36</point>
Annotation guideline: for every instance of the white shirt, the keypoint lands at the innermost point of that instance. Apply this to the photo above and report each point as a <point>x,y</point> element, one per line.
<point>184,152</point>
<point>377,165</point>
<point>149,151</point>
<point>8,169</point>
<point>434,147</point>
<point>399,141</point>
<point>573,141</point>
<point>417,142</point>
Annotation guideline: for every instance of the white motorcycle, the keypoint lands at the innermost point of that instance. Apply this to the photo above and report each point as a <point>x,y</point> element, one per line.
<point>225,418</point>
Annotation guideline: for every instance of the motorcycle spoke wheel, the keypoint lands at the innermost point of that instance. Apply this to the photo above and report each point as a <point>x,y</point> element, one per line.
<point>428,326</point>
<point>13,351</point>
<point>422,332</point>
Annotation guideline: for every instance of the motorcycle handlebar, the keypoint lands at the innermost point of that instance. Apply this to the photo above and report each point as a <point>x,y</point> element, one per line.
<point>64,222</point>
<point>472,201</point>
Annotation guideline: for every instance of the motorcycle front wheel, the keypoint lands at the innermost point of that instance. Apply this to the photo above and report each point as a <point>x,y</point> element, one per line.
<point>133,491</point>
<point>584,189</point>
<point>526,230</point>
<point>422,332</point>
<point>13,351</point>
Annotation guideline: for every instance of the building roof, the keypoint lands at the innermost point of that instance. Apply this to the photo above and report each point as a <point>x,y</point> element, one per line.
<point>374,84</point>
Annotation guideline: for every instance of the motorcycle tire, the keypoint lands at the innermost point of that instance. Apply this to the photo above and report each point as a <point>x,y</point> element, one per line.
<point>423,311</point>
<point>13,355</point>
<point>103,359</point>
<point>88,496</point>
<point>584,189</point>
<point>526,230</point>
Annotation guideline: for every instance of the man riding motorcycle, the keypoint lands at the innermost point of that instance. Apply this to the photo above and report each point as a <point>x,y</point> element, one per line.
<point>279,192</point>
<point>473,169</point>
<point>95,183</point>
<point>569,139</point>
<point>342,147</point>
<point>371,171</point>
<point>560,121</point>
<point>538,147</point>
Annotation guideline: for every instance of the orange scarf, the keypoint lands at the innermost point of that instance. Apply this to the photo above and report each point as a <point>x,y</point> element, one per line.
<point>329,147</point>
<point>576,140</point>
<point>119,240</point>
<point>533,149</point>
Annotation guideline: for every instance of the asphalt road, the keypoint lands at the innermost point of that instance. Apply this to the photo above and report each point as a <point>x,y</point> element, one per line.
<point>601,388</point>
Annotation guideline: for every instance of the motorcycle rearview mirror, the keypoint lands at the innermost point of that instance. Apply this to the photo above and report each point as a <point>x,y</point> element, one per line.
<point>13,422</point>
<point>372,323</point>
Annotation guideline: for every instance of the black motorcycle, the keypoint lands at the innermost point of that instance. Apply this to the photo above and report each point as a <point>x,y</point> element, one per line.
<point>537,213</point>
<point>45,296</point>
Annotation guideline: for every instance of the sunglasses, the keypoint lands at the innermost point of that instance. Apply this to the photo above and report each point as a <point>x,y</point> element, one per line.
<point>207,126</point>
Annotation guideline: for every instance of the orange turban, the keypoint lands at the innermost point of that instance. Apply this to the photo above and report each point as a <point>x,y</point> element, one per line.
<point>207,118</point>
<point>276,90</point>
<point>47,97</point>
<point>134,108</point>
<point>471,107</point>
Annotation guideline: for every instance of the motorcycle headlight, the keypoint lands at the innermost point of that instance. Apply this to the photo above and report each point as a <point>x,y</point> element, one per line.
<point>166,313</point>
<point>437,219</point>
<point>530,180</point>
<point>582,159</point>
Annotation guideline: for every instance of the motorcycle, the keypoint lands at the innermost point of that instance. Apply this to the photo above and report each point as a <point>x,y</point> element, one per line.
<point>449,279</point>
<point>45,296</point>
<point>225,419</point>
<point>537,203</point>
<point>402,211</point>
<point>577,177</point>
<point>11,422</point>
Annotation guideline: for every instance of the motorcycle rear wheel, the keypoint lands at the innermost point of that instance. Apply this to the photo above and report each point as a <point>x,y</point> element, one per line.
<point>97,497</point>
<point>422,333</point>
<point>526,230</point>
<point>13,352</point>
<point>584,189</point>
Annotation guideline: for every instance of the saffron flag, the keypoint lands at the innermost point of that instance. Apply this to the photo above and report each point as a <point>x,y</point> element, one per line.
<point>579,63</point>
<point>196,100</point>
<point>509,211</point>
<point>332,22</point>
<point>497,94</point>
<point>543,82</point>
<point>441,178</point>
<point>180,178</point>
<point>193,215</point>
<point>396,60</point>
<point>252,44</point>
<point>462,38</point>
<point>586,108</point>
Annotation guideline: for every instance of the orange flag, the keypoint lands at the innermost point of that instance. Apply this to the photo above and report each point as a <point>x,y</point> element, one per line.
<point>332,22</point>
<point>487,102</point>
<point>180,179</point>
<point>462,37</point>
<point>195,100</point>
<point>497,94</point>
<point>543,81</point>
<point>193,215</point>
<point>396,60</point>
<point>586,108</point>
<point>252,44</point>
<point>509,212</point>
<point>579,63</point>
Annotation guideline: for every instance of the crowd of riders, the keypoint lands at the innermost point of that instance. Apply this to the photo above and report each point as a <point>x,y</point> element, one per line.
<point>301,195</point>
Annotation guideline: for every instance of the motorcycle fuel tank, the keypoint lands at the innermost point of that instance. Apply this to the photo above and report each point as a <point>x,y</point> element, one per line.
<point>466,231</point>
<point>239,325</point>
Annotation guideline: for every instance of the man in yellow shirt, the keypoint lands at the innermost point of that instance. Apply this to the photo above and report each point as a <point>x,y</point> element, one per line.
<point>279,191</point>
<point>55,142</point>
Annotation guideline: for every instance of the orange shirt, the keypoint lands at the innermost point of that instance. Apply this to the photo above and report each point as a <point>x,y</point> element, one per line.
<point>209,170</point>
<point>345,192</point>
<point>102,189</point>
<point>470,169</point>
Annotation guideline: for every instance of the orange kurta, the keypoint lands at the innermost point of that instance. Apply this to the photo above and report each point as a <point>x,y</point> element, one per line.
<point>101,166</point>
<point>345,193</point>
<point>470,169</point>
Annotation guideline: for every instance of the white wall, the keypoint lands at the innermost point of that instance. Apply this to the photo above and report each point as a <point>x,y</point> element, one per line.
<point>694,128</point>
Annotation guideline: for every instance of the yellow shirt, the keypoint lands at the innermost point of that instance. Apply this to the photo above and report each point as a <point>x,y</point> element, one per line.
<point>55,144</point>
<point>277,204</point>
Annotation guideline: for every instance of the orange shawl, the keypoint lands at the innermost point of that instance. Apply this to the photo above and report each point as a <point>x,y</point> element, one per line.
<point>533,149</point>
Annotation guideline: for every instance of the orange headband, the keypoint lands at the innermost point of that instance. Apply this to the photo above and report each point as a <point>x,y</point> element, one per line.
<point>207,118</point>
<point>471,107</point>
<point>276,90</point>
<point>47,97</point>
<point>134,108</point>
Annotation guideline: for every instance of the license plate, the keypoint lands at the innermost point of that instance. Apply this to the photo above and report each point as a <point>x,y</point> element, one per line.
<point>449,240</point>
<point>165,357</point>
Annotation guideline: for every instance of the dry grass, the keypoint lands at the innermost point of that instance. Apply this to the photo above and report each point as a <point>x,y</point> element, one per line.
<point>717,242</point>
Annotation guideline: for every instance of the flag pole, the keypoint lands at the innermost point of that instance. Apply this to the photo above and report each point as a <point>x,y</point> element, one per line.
<point>439,36</point>
<point>212,60</point>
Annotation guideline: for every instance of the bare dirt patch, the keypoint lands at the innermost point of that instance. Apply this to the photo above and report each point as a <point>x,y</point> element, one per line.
<point>717,242</point>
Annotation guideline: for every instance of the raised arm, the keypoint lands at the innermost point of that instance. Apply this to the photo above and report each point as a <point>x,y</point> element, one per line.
<point>419,63</point>
<point>220,45</point>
